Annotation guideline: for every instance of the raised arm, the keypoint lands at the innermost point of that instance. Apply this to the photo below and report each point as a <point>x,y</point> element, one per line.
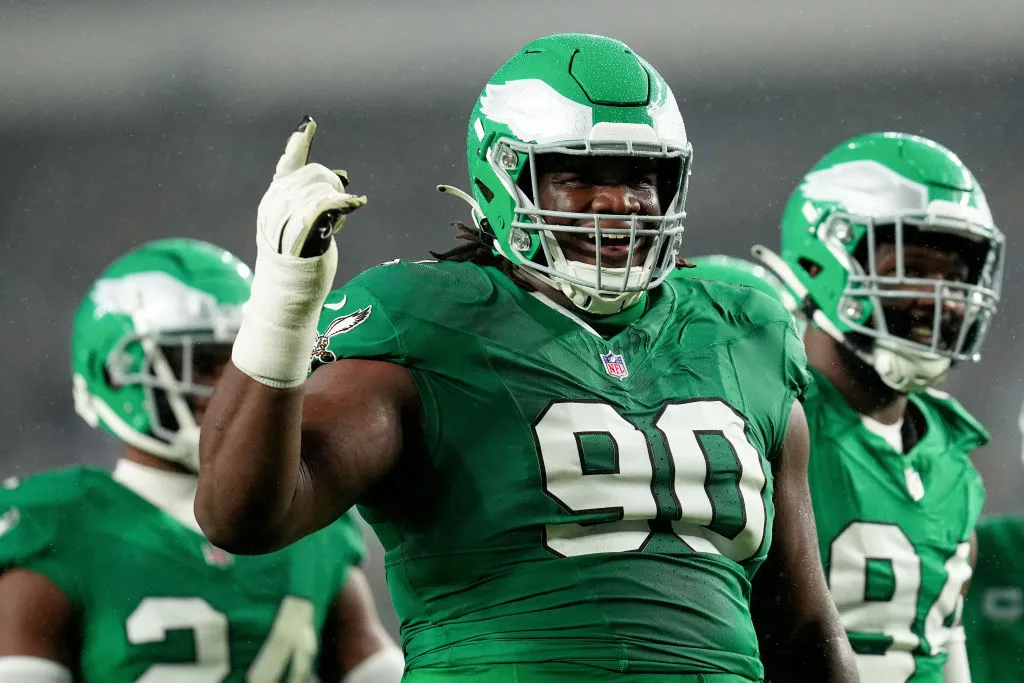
<point>278,464</point>
<point>282,456</point>
<point>801,635</point>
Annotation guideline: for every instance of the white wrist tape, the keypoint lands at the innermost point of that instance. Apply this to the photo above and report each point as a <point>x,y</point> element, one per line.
<point>383,666</point>
<point>275,341</point>
<point>33,670</point>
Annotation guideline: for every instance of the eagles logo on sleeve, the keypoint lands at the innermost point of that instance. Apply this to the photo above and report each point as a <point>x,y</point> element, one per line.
<point>340,325</point>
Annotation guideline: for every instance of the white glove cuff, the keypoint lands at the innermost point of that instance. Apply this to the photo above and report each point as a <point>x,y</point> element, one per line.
<point>32,670</point>
<point>383,666</point>
<point>275,341</point>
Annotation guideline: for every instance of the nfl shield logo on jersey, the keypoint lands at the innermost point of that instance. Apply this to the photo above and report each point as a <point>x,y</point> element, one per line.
<point>215,557</point>
<point>615,365</point>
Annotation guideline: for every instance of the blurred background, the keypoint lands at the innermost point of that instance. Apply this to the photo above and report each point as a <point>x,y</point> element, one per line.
<point>122,122</point>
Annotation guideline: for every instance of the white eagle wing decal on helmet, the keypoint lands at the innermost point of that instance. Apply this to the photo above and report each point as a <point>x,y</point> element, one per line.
<point>155,300</point>
<point>866,188</point>
<point>534,111</point>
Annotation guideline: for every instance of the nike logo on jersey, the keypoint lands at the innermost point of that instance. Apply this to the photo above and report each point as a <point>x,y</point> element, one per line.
<point>9,520</point>
<point>338,306</point>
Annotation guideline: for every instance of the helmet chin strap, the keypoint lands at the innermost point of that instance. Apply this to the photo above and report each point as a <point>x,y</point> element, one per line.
<point>903,370</point>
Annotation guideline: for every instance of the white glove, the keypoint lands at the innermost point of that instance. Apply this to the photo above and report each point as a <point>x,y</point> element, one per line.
<point>302,196</point>
<point>295,264</point>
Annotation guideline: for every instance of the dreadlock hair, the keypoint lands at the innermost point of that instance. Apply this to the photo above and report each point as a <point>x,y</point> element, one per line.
<point>479,251</point>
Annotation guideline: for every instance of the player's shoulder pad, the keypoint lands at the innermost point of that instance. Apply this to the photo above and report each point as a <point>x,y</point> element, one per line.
<point>36,512</point>
<point>386,309</point>
<point>56,489</point>
<point>418,286</point>
<point>964,429</point>
<point>738,304</point>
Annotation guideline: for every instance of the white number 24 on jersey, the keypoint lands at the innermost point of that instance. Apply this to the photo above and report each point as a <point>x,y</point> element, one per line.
<point>292,641</point>
<point>895,618</point>
<point>720,509</point>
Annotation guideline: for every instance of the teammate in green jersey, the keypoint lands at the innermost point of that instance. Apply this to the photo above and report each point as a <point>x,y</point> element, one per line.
<point>106,577</point>
<point>994,606</point>
<point>576,470</point>
<point>889,244</point>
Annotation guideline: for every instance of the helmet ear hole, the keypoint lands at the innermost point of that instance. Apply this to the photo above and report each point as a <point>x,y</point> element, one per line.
<point>487,193</point>
<point>811,267</point>
<point>107,379</point>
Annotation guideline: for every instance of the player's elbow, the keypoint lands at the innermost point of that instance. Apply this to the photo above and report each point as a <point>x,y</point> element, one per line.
<point>232,534</point>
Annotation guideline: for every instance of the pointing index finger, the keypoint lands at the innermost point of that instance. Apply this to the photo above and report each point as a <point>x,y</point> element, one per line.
<point>296,151</point>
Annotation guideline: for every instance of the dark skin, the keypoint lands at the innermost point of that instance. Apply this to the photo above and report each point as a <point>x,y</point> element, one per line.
<point>38,620</point>
<point>856,381</point>
<point>278,464</point>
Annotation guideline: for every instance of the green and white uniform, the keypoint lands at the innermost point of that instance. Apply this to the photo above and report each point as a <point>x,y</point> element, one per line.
<point>156,602</point>
<point>585,500</point>
<point>994,609</point>
<point>894,528</point>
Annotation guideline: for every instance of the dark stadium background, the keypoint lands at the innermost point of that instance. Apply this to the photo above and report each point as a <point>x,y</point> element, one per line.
<point>122,122</point>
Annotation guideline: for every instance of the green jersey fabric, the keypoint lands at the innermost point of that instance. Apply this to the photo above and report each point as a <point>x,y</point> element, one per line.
<point>994,609</point>
<point>894,529</point>
<point>156,601</point>
<point>582,499</point>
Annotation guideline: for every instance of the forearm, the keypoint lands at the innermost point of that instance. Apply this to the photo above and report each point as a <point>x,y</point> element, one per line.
<point>250,454</point>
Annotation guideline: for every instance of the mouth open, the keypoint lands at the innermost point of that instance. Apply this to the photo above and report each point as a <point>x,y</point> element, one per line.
<point>614,249</point>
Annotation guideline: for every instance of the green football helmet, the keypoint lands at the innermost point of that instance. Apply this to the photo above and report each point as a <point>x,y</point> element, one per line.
<point>576,94</point>
<point>147,328</point>
<point>898,189</point>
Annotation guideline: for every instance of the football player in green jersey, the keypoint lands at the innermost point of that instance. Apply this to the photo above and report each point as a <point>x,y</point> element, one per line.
<point>994,606</point>
<point>889,244</point>
<point>576,469</point>
<point>106,577</point>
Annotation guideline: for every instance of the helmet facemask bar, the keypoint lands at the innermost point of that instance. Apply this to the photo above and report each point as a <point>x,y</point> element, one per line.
<point>867,290</point>
<point>166,384</point>
<point>664,231</point>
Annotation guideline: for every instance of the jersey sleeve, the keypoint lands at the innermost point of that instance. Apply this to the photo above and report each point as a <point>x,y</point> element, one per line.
<point>36,535</point>
<point>355,323</point>
<point>794,363</point>
<point>780,358</point>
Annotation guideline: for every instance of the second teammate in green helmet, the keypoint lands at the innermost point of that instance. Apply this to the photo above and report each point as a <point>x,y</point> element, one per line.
<point>852,232</point>
<point>105,577</point>
<point>890,247</point>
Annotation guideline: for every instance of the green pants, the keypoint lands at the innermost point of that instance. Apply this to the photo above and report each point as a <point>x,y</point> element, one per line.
<point>554,673</point>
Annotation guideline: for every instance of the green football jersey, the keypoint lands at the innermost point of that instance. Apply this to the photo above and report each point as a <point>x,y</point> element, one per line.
<point>581,499</point>
<point>894,529</point>
<point>994,609</point>
<point>155,600</point>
